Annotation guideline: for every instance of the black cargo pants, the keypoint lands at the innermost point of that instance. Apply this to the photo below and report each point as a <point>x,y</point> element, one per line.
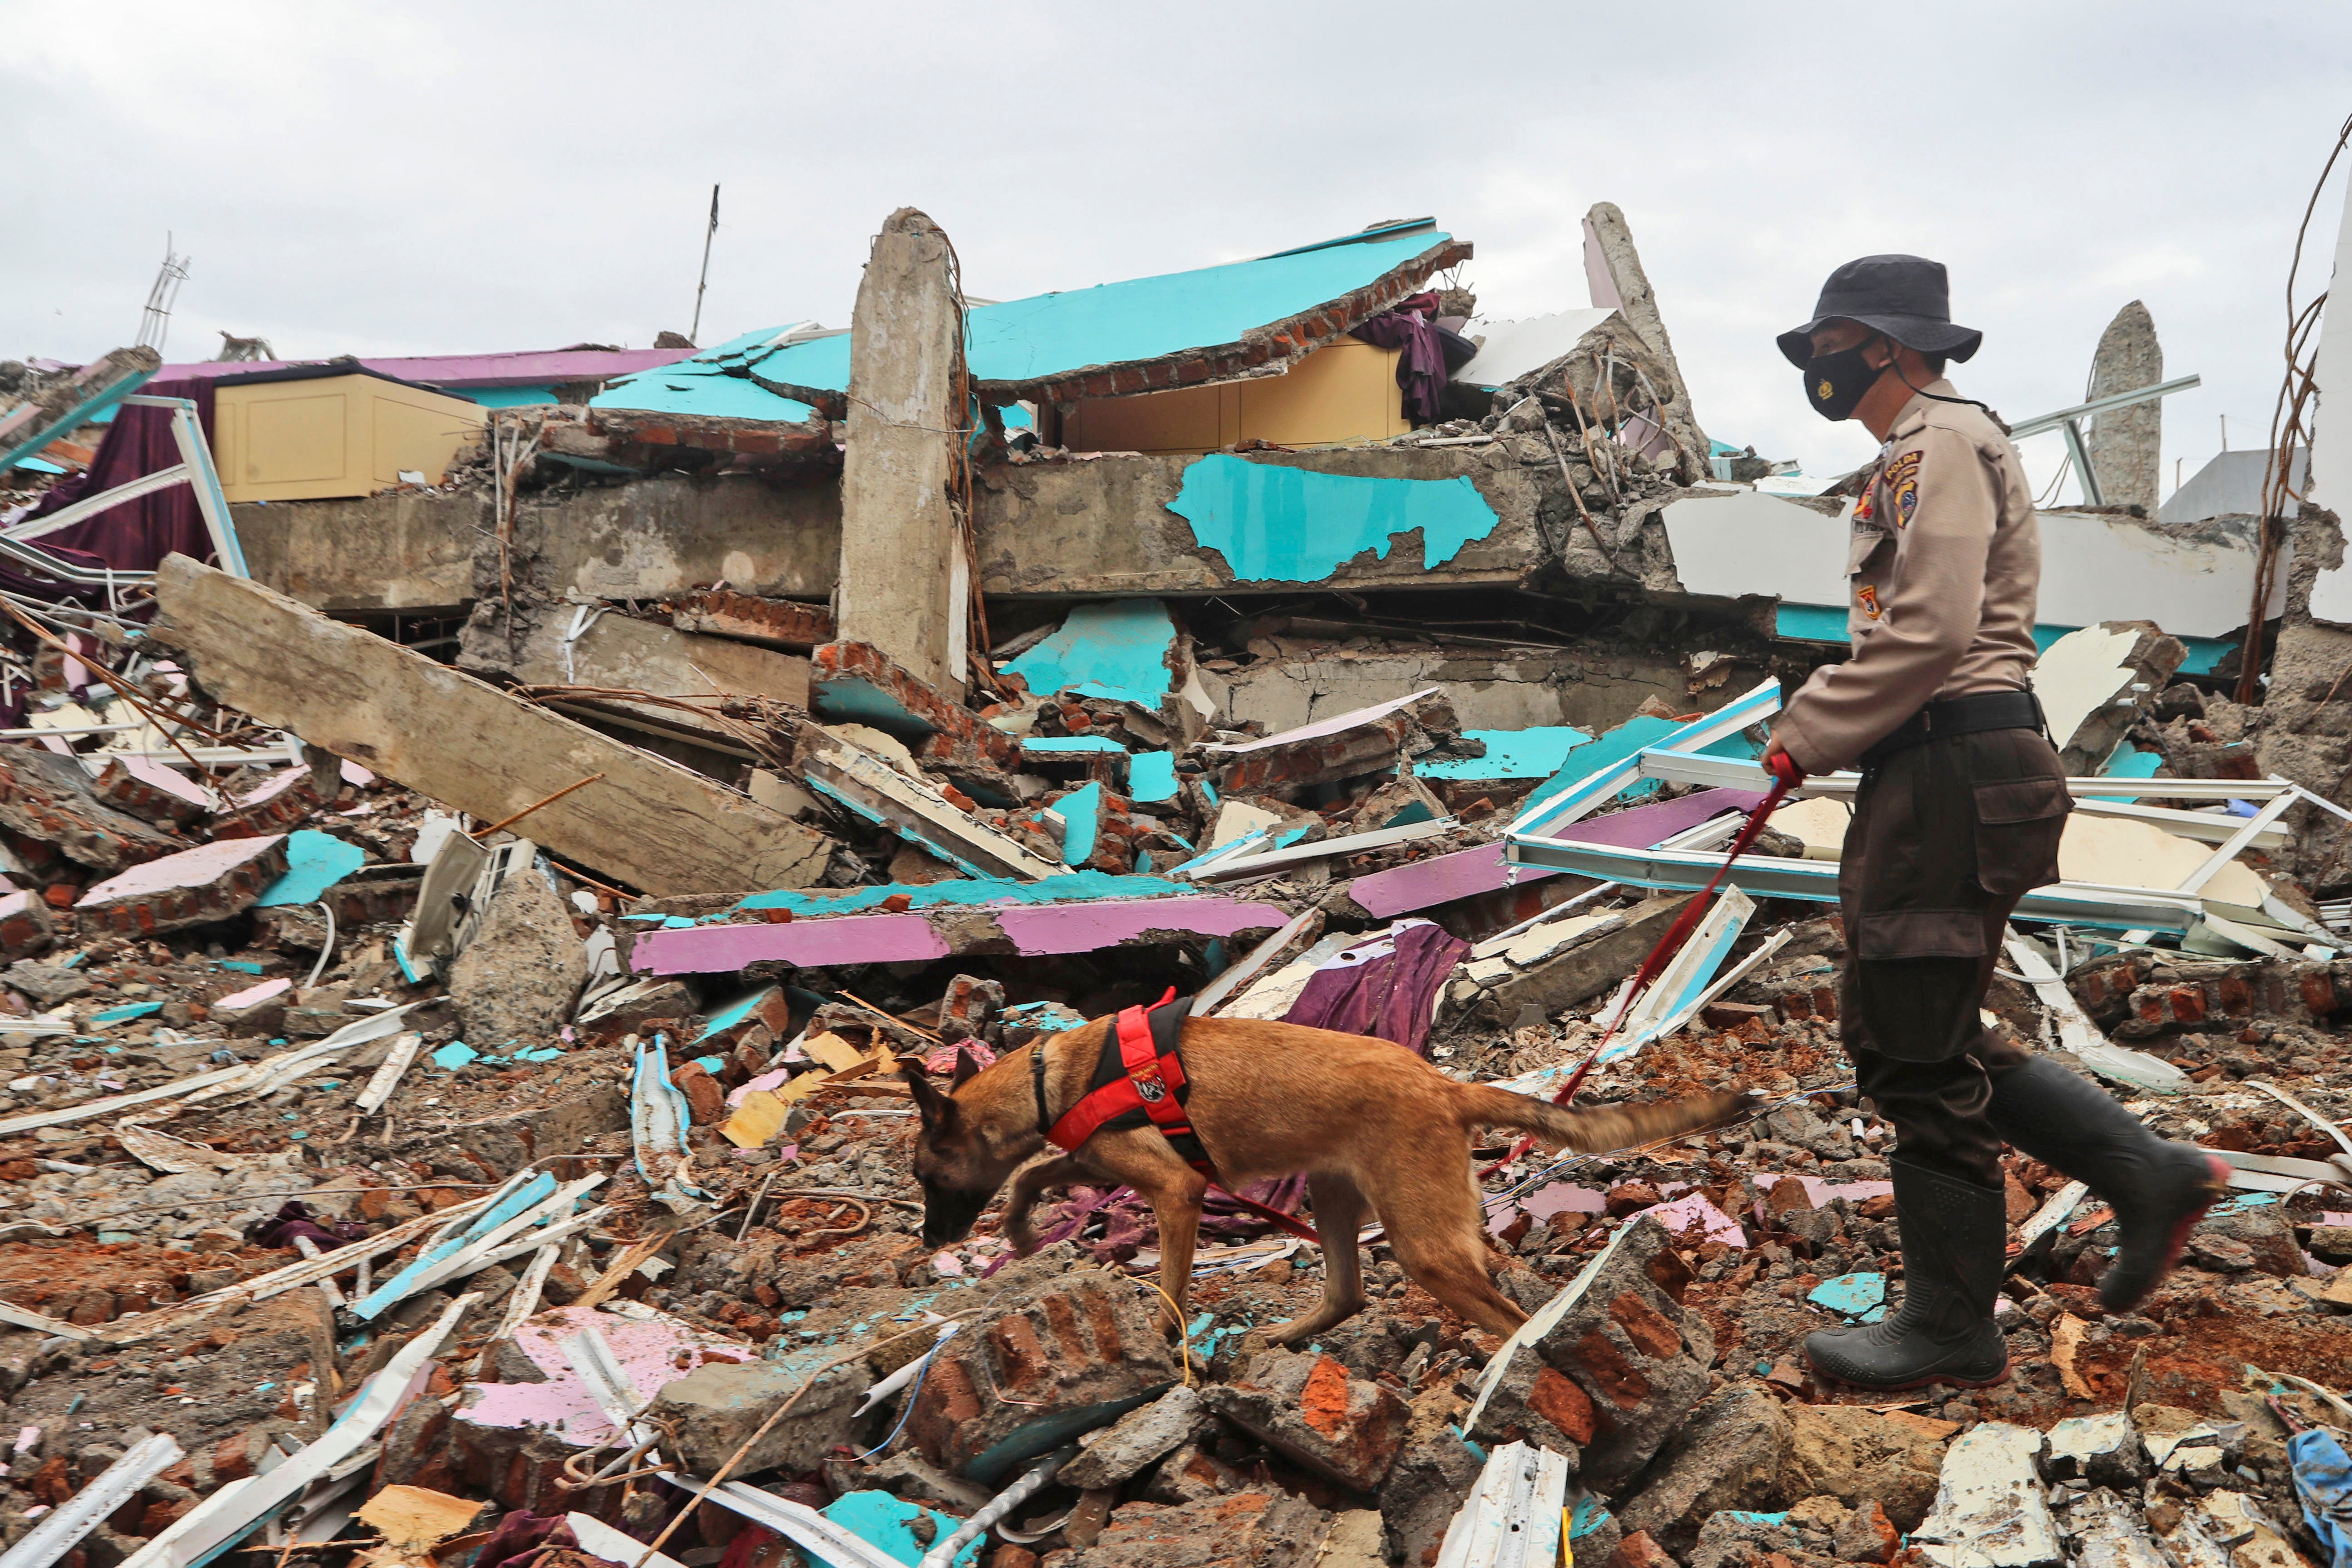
<point>1947,837</point>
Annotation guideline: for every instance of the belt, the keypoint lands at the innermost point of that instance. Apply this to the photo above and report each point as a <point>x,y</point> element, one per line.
<point>1960,716</point>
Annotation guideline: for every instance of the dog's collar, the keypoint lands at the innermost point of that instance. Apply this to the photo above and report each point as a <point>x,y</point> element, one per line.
<point>1037,1081</point>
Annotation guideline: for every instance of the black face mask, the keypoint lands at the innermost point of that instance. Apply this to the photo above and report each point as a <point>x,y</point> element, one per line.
<point>1836,383</point>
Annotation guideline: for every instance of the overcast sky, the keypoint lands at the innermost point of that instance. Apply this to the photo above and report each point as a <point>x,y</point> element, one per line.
<point>408,178</point>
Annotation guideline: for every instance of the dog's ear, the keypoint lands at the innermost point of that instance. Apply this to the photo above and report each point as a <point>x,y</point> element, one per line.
<point>937,1110</point>
<point>967,1068</point>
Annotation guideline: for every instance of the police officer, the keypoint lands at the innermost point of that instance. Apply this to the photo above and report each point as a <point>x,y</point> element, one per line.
<point>1959,816</point>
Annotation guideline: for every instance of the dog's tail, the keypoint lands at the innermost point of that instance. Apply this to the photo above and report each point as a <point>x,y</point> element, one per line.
<point>1598,1128</point>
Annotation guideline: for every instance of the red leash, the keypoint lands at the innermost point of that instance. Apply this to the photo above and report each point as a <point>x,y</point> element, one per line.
<point>1668,945</point>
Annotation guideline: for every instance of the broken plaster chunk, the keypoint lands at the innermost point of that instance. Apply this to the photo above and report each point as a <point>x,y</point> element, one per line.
<point>2101,1450</point>
<point>1306,1405</point>
<point>1989,1512</point>
<point>1139,1438</point>
<point>718,1408</point>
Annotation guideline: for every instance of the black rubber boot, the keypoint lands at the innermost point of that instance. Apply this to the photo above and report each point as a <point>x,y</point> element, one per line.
<point>1955,1238</point>
<point>2159,1190</point>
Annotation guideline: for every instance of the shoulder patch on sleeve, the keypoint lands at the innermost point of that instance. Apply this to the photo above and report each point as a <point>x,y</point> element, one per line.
<point>1902,482</point>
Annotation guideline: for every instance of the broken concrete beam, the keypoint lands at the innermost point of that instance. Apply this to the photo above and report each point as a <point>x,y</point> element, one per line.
<point>1076,1354</point>
<point>150,791</point>
<point>919,935</point>
<point>1610,261</point>
<point>65,404</point>
<point>1729,1455</point>
<point>192,888</point>
<point>905,578</point>
<point>1138,1439</point>
<point>1620,1332</point>
<point>518,976</point>
<point>719,1406</point>
<point>446,735</point>
<point>2127,444</point>
<point>1497,989</point>
<point>1307,1406</point>
<point>1989,1512</point>
<point>748,617</point>
<point>47,800</point>
<point>1339,747</point>
<point>1433,1475</point>
<point>649,440</point>
<point>913,810</point>
<point>2094,684</point>
<point>858,683</point>
<point>617,652</point>
<point>27,926</point>
<point>1243,1529</point>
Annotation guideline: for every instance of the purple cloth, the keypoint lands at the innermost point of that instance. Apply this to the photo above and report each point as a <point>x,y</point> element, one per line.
<point>136,535</point>
<point>295,1219</point>
<point>1387,998</point>
<point>1421,368</point>
<point>519,1536</point>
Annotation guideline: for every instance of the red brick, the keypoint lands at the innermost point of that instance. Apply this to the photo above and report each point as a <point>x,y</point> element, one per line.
<point>1638,1550</point>
<point>1606,1365</point>
<point>1651,1335</point>
<point>1561,1402</point>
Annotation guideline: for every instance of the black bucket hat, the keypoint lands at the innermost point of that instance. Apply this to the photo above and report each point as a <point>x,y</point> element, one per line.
<point>1906,297</point>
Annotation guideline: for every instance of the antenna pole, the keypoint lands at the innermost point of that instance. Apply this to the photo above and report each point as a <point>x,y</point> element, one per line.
<point>695,332</point>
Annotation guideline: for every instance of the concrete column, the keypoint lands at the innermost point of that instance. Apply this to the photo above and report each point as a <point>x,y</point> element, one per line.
<point>1613,269</point>
<point>902,567</point>
<point>2126,444</point>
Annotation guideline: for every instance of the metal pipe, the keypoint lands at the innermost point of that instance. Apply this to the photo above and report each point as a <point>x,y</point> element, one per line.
<point>1030,1482</point>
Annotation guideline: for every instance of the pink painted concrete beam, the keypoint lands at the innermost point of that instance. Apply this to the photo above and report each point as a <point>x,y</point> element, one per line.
<point>1441,878</point>
<point>1084,927</point>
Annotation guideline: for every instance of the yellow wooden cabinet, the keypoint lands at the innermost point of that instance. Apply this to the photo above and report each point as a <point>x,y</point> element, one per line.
<point>1345,391</point>
<point>309,438</point>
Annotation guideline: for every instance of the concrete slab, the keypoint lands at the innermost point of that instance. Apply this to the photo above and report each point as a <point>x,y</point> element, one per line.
<point>195,887</point>
<point>452,737</point>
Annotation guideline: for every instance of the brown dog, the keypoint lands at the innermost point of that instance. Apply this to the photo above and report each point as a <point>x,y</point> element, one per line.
<point>1373,1126</point>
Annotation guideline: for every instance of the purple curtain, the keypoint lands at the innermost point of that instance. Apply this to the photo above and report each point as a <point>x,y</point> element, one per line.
<point>136,535</point>
<point>1387,998</point>
<point>1421,368</point>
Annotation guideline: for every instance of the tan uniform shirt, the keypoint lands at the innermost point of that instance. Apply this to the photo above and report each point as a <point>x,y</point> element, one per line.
<point>1943,567</point>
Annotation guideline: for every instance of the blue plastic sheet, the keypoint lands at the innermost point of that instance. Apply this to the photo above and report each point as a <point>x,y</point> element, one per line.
<point>2323,1484</point>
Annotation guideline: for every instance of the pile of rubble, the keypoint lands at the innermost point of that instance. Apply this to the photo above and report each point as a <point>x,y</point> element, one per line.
<point>394,1175</point>
<point>455,1097</point>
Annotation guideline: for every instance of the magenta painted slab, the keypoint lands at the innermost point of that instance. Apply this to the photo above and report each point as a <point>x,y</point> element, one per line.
<point>254,996</point>
<point>518,367</point>
<point>188,868</point>
<point>654,1352</point>
<point>1441,878</point>
<point>806,945</point>
<point>1694,1209</point>
<point>892,937</point>
<point>1084,927</point>
<point>162,776</point>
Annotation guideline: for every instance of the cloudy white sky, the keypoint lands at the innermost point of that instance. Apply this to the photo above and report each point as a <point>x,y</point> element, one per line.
<point>415,178</point>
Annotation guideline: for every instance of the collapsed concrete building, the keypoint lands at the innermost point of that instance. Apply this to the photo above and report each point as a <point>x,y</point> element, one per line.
<point>517,884</point>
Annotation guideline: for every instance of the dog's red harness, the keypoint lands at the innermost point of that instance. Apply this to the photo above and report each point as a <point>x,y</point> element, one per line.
<point>1148,1081</point>
<point>1145,1081</point>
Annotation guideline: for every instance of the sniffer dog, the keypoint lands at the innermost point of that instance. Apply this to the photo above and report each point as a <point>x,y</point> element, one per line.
<point>1373,1126</point>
